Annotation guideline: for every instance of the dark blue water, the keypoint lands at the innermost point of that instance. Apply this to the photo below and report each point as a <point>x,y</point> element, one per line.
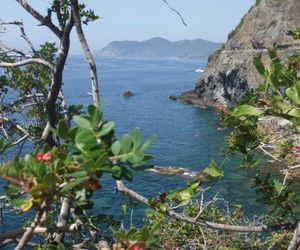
<point>186,136</point>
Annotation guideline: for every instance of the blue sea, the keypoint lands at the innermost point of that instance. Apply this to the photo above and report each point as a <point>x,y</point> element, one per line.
<point>187,136</point>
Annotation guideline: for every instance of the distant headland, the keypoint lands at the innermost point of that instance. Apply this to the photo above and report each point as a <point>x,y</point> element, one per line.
<point>160,47</point>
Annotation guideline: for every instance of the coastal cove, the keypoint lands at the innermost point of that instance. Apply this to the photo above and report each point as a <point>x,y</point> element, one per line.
<point>187,136</point>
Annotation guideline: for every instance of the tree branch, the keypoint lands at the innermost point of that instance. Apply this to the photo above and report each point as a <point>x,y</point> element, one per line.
<point>26,62</point>
<point>41,230</point>
<point>86,50</point>
<point>29,231</point>
<point>217,226</point>
<point>57,80</point>
<point>19,52</point>
<point>62,220</point>
<point>295,242</point>
<point>45,21</point>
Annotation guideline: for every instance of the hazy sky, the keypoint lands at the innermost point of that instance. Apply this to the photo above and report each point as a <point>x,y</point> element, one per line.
<point>135,20</point>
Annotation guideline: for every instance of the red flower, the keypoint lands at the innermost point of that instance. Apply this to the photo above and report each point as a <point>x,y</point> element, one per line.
<point>39,156</point>
<point>47,156</point>
<point>43,157</point>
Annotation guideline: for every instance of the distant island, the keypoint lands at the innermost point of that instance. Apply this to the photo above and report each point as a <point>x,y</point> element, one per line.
<point>160,47</point>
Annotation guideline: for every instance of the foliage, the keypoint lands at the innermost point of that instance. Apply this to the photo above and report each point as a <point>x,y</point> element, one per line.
<point>278,97</point>
<point>74,168</point>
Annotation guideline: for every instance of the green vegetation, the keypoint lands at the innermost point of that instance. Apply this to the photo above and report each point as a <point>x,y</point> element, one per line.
<point>55,182</point>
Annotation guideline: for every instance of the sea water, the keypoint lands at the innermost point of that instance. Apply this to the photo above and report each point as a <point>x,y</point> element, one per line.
<point>187,136</point>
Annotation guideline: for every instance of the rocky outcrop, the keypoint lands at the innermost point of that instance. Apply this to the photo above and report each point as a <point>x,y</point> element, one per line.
<point>231,71</point>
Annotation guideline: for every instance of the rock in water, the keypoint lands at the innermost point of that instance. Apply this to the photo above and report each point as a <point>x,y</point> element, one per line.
<point>128,93</point>
<point>231,71</point>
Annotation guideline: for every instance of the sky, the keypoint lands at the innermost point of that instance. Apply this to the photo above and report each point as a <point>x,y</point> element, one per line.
<point>133,20</point>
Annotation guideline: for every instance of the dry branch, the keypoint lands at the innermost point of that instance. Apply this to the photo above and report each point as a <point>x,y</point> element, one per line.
<point>45,21</point>
<point>26,62</point>
<point>87,51</point>
<point>217,226</point>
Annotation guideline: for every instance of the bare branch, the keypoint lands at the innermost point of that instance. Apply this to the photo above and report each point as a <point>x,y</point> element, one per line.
<point>217,226</point>
<point>86,50</point>
<point>45,21</point>
<point>295,242</point>
<point>62,220</point>
<point>20,24</point>
<point>41,230</point>
<point>176,11</point>
<point>19,52</point>
<point>29,231</point>
<point>57,80</point>
<point>26,62</point>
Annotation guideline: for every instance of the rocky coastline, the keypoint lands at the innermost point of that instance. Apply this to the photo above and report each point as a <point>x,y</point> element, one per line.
<point>231,71</point>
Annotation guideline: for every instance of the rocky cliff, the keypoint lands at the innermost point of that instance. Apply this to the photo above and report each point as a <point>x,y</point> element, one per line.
<point>230,71</point>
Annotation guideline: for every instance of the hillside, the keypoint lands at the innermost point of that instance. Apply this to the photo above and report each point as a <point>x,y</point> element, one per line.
<point>231,71</point>
<point>159,47</point>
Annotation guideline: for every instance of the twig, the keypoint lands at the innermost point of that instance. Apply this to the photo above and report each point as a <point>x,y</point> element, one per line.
<point>176,11</point>
<point>268,153</point>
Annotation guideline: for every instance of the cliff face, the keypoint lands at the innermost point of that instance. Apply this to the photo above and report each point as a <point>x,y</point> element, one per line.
<point>231,71</point>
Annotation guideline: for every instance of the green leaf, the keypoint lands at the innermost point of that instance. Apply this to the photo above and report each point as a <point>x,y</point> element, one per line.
<point>26,205</point>
<point>73,184</point>
<point>83,122</point>
<point>85,139</point>
<point>124,208</point>
<point>162,207</point>
<point>95,114</point>
<point>8,170</point>
<point>213,170</point>
<point>136,137</point>
<point>116,147</point>
<point>149,142</point>
<point>294,93</point>
<point>120,235</point>
<point>259,66</point>
<point>126,143</point>
<point>138,157</point>
<point>41,170</point>
<point>127,174</point>
<point>77,174</point>
<point>194,184</point>
<point>277,186</point>
<point>246,110</point>
<point>117,172</point>
<point>107,128</point>
<point>62,129</point>
<point>50,180</point>
<point>101,159</point>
